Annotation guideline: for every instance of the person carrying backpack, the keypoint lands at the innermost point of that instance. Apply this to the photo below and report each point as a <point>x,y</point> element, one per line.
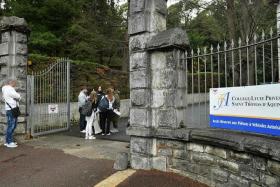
<point>90,111</point>
<point>106,107</point>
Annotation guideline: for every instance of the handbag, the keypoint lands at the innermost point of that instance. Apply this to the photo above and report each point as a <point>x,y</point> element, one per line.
<point>15,111</point>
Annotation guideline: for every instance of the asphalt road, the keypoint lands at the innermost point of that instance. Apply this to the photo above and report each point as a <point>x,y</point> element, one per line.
<point>27,166</point>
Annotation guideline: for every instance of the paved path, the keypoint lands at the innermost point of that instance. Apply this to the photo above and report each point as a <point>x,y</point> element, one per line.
<point>26,166</point>
<point>58,160</point>
<point>63,160</point>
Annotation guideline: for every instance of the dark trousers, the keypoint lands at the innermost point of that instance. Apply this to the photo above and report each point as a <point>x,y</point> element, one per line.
<point>105,120</point>
<point>83,122</point>
<point>115,120</point>
<point>115,124</point>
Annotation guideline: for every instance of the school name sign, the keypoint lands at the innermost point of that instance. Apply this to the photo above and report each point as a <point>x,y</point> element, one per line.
<point>249,109</point>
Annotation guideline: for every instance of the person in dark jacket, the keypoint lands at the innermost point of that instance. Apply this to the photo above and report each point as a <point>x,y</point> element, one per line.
<point>100,93</point>
<point>106,107</point>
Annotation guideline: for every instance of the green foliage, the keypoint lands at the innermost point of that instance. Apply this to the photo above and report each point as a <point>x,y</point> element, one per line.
<point>89,30</point>
<point>216,21</point>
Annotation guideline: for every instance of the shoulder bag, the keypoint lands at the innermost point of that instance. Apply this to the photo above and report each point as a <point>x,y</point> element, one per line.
<point>15,111</point>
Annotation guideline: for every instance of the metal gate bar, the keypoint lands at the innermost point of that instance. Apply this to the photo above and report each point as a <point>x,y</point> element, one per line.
<point>49,99</point>
<point>252,62</point>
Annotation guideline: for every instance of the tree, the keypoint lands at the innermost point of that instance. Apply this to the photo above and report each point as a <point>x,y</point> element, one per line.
<point>48,21</point>
<point>90,30</point>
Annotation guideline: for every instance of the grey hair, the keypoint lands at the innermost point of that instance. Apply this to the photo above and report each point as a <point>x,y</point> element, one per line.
<point>9,81</point>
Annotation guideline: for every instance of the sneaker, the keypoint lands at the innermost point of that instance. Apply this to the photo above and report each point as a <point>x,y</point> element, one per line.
<point>114,130</point>
<point>102,134</point>
<point>108,134</point>
<point>98,132</point>
<point>5,144</point>
<point>91,138</point>
<point>83,131</point>
<point>11,145</point>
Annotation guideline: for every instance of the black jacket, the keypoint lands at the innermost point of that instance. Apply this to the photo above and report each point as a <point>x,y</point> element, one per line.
<point>99,96</point>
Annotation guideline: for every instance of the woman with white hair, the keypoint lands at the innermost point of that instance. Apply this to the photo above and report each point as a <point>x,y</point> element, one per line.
<point>11,98</point>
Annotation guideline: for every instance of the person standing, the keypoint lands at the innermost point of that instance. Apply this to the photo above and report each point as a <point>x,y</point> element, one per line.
<point>100,94</point>
<point>115,118</point>
<point>106,108</point>
<point>11,98</point>
<point>91,119</point>
<point>81,102</point>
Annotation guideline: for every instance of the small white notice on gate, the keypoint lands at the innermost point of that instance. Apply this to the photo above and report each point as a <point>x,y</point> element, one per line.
<point>53,109</point>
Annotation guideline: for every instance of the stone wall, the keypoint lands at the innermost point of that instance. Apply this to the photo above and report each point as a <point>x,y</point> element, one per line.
<point>215,157</point>
<point>218,166</point>
<point>13,62</point>
<point>161,136</point>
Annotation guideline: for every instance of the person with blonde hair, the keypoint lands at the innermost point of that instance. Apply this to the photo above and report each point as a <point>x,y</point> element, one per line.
<point>92,101</point>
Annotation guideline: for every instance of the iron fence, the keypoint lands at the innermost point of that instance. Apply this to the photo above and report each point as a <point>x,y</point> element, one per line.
<point>232,64</point>
<point>49,99</point>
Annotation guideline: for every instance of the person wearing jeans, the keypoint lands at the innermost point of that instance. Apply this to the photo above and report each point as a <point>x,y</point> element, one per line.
<point>11,97</point>
<point>12,125</point>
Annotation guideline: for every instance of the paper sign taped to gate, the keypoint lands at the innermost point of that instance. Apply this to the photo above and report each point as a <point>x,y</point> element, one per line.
<point>248,109</point>
<point>53,109</point>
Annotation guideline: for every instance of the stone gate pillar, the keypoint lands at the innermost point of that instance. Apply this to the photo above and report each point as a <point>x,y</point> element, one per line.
<point>13,63</point>
<point>157,81</point>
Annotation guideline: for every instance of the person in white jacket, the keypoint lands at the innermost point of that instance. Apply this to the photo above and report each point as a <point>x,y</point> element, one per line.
<point>82,98</point>
<point>11,98</point>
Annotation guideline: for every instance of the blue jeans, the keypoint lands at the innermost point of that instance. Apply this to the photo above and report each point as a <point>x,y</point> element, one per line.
<point>12,124</point>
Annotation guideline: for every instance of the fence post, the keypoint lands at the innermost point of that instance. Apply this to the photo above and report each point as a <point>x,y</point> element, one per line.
<point>13,63</point>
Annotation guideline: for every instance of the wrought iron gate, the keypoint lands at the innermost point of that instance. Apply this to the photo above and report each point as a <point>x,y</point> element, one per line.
<point>252,62</point>
<point>49,99</point>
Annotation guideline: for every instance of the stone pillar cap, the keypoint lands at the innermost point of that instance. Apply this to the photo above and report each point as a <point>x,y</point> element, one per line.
<point>175,37</point>
<point>14,23</point>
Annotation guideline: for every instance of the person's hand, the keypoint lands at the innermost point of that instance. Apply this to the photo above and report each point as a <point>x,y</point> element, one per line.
<point>17,99</point>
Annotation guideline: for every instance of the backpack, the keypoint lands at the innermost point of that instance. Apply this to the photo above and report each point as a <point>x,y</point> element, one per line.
<point>103,104</point>
<point>87,109</point>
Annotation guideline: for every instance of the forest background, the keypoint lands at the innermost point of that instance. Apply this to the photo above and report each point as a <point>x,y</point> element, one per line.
<point>93,33</point>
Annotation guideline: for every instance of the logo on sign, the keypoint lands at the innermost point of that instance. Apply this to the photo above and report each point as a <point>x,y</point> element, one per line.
<point>222,100</point>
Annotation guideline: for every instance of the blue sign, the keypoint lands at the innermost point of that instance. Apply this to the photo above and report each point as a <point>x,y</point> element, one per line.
<point>248,109</point>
